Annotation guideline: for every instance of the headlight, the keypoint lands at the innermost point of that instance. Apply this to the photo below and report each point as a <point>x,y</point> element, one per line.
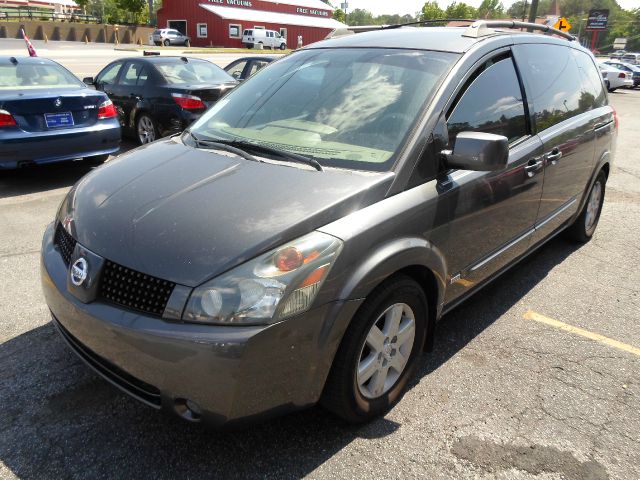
<point>269,288</point>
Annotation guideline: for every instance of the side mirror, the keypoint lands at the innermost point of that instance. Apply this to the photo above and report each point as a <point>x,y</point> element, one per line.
<point>236,74</point>
<point>88,81</point>
<point>478,151</point>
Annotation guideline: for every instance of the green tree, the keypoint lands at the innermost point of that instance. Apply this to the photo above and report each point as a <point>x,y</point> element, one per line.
<point>338,14</point>
<point>431,11</point>
<point>491,9</point>
<point>360,17</point>
<point>460,10</point>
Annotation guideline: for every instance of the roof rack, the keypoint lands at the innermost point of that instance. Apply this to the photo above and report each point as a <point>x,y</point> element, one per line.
<point>482,28</point>
<point>427,22</point>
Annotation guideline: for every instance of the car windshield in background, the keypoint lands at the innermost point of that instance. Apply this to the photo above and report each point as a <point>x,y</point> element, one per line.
<point>193,71</point>
<point>347,108</point>
<point>33,76</point>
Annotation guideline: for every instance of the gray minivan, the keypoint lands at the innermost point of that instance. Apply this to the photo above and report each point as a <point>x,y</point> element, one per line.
<point>298,243</point>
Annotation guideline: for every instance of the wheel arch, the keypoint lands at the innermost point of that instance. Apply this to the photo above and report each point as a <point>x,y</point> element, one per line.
<point>414,257</point>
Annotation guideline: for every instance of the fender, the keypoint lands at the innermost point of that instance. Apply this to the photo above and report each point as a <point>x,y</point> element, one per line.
<point>387,237</point>
<point>390,258</point>
<point>605,159</point>
<point>140,106</point>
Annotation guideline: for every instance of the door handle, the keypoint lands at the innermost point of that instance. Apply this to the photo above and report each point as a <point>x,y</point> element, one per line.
<point>554,156</point>
<point>534,166</point>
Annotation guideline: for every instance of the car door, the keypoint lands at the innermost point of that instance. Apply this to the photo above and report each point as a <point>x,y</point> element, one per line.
<point>562,120</point>
<point>107,82</point>
<point>130,90</point>
<point>492,213</point>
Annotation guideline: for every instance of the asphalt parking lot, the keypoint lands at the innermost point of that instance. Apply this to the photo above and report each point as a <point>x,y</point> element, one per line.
<point>537,377</point>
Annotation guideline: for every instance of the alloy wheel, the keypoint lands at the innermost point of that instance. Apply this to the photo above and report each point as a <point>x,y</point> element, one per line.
<point>386,351</point>
<point>593,207</point>
<point>146,130</point>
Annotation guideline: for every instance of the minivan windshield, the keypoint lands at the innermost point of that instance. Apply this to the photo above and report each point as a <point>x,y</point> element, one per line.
<point>345,108</point>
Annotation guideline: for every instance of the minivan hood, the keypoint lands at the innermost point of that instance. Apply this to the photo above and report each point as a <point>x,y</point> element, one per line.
<point>187,215</point>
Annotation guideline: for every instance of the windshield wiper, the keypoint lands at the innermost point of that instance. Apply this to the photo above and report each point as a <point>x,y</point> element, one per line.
<point>256,147</point>
<point>224,146</point>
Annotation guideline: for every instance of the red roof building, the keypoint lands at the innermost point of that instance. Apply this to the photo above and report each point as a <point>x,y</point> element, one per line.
<point>220,23</point>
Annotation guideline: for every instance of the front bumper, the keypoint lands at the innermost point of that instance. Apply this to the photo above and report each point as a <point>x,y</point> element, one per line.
<point>232,374</point>
<point>19,146</point>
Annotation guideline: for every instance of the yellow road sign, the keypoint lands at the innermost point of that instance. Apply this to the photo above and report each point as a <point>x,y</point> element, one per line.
<point>563,25</point>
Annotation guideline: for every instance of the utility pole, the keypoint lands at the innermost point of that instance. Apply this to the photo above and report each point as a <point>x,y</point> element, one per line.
<point>533,12</point>
<point>151,15</point>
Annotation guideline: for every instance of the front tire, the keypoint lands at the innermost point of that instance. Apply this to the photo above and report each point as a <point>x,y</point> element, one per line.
<point>282,46</point>
<point>379,352</point>
<point>146,129</point>
<point>167,43</point>
<point>187,44</point>
<point>585,225</point>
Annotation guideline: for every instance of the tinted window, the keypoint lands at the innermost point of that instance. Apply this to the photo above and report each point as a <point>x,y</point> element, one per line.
<point>109,74</point>
<point>593,96</point>
<point>131,73</point>
<point>236,70</point>
<point>492,103</point>
<point>554,83</point>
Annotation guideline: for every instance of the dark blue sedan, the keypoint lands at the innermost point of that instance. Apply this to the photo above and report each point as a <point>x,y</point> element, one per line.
<point>48,115</point>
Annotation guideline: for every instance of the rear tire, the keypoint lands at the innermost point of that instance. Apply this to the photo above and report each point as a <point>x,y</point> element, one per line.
<point>585,225</point>
<point>379,352</point>
<point>146,129</point>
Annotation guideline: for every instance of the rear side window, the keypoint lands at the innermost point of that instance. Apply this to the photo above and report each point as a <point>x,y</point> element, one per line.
<point>492,103</point>
<point>553,83</point>
<point>593,96</point>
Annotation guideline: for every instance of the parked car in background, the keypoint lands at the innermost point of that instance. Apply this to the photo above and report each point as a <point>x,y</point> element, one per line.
<point>243,68</point>
<point>266,38</point>
<point>627,67</point>
<point>632,58</point>
<point>615,78</point>
<point>158,96</point>
<point>617,54</point>
<point>300,241</point>
<point>170,36</point>
<point>48,115</point>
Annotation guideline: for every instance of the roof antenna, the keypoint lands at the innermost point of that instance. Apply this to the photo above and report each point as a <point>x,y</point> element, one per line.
<point>14,60</point>
<point>184,59</point>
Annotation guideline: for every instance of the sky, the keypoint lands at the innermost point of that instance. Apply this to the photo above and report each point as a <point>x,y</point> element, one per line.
<point>379,7</point>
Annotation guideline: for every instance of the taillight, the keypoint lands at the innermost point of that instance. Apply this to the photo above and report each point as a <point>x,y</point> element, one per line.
<point>107,110</point>
<point>6,119</point>
<point>622,75</point>
<point>188,102</point>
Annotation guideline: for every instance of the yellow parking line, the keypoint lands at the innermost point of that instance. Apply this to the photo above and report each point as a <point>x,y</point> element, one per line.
<point>531,315</point>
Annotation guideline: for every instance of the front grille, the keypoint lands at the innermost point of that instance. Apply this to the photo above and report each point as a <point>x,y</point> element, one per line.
<point>65,242</point>
<point>134,290</point>
<point>126,382</point>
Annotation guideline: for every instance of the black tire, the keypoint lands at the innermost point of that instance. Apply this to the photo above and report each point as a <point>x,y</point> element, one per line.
<point>611,90</point>
<point>167,43</point>
<point>96,160</point>
<point>584,227</point>
<point>187,43</point>
<point>341,394</point>
<point>282,46</point>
